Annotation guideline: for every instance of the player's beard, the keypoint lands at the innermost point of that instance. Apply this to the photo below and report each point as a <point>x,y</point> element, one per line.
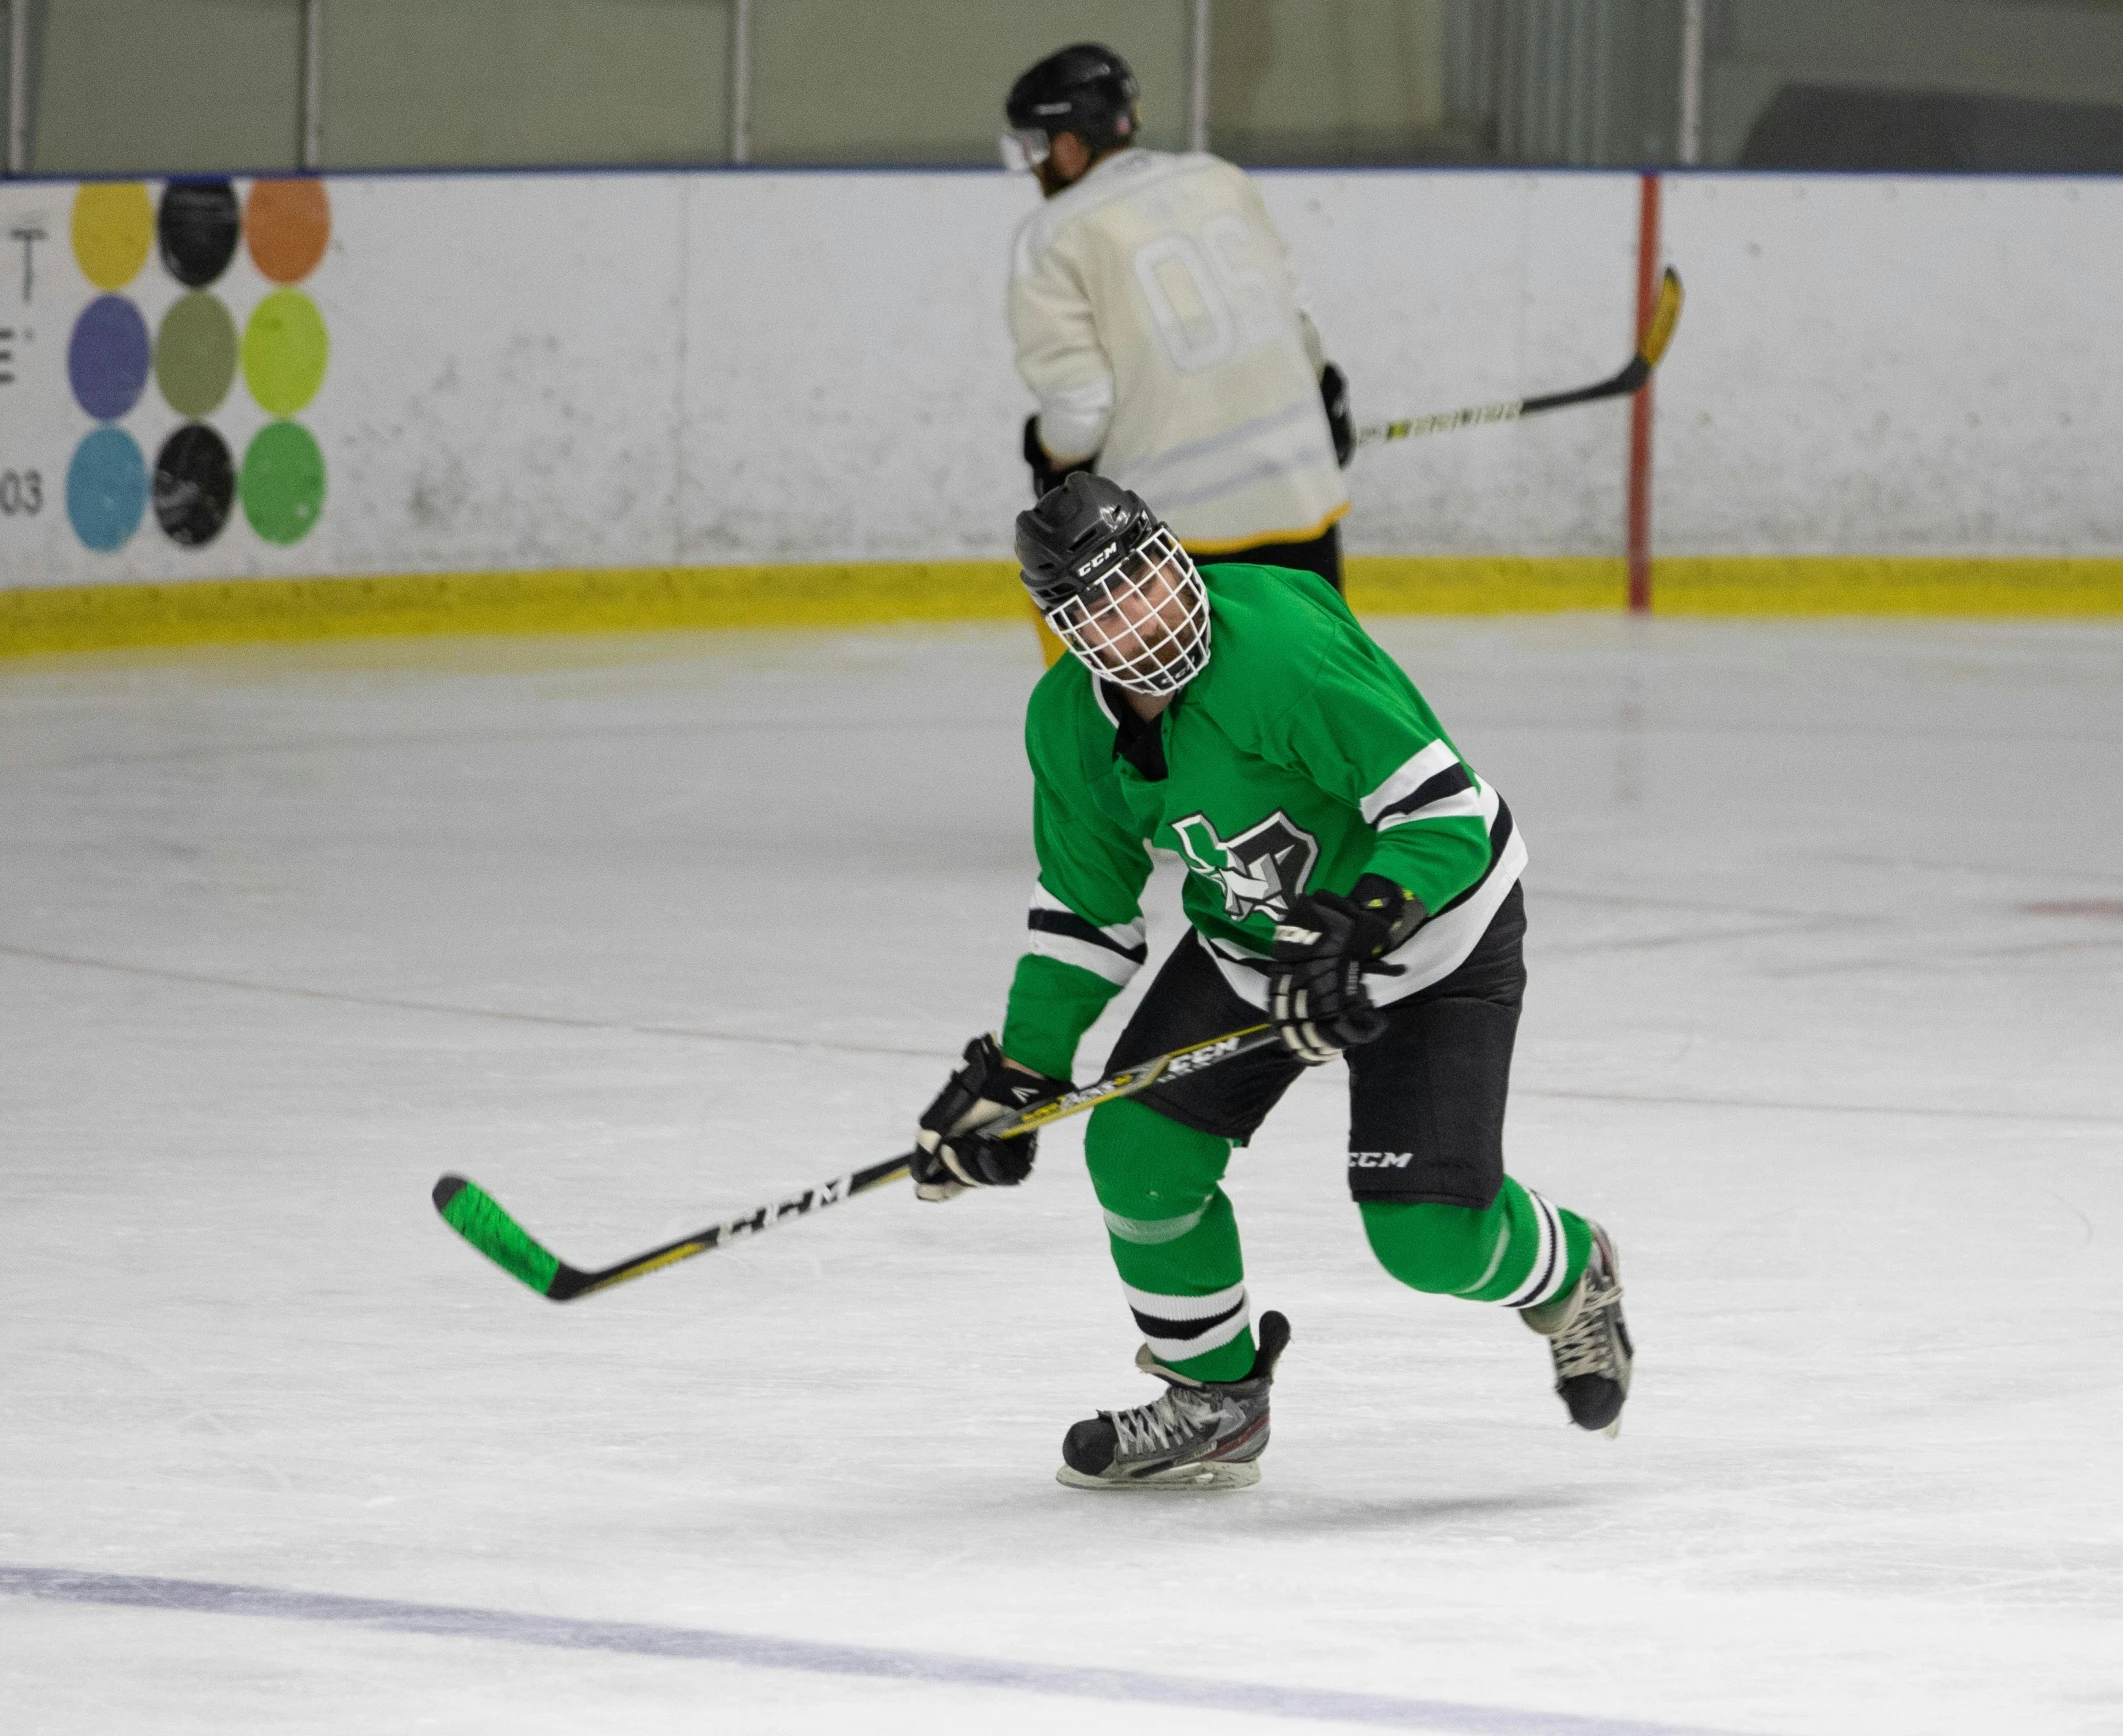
<point>1147,629</point>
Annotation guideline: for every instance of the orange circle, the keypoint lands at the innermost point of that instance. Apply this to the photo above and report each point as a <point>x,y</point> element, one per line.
<point>287,224</point>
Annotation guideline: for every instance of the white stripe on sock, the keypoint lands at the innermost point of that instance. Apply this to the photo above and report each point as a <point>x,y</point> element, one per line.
<point>1548,1262</point>
<point>1184,1307</point>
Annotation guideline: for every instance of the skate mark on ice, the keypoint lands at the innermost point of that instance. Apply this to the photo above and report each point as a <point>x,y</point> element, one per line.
<point>816,1657</point>
<point>446,1009</point>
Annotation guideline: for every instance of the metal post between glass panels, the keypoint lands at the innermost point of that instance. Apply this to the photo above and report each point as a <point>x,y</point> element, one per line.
<point>311,154</point>
<point>18,87</point>
<point>1198,79</point>
<point>1689,146</point>
<point>740,81</point>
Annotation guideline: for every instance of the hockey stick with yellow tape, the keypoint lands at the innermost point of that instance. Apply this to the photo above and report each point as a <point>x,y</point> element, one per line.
<point>482,1220</point>
<point>1665,315</point>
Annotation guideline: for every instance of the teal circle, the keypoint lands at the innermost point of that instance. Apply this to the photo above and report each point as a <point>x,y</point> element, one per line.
<point>106,488</point>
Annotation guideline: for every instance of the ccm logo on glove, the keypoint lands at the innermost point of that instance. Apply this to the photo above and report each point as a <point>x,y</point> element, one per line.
<point>1380,1159</point>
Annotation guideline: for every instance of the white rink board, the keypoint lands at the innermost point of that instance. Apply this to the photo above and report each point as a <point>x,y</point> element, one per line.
<point>1887,365</point>
<point>625,370</point>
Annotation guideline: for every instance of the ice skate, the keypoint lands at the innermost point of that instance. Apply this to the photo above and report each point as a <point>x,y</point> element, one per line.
<point>1198,1435</point>
<point>1589,1341</point>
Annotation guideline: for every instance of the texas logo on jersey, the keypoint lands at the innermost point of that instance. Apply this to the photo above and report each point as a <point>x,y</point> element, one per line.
<point>1263,868</point>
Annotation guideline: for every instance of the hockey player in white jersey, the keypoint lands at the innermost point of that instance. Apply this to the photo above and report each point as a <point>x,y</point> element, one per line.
<point>1158,322</point>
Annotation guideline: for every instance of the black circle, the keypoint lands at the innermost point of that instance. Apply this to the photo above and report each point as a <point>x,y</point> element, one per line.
<point>197,229</point>
<point>195,482</point>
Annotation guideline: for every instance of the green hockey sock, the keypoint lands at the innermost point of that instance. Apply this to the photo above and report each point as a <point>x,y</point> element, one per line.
<point>1518,1250</point>
<point>1174,1238</point>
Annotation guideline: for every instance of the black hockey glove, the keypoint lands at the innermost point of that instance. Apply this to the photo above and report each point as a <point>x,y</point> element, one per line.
<point>1334,399</point>
<point>950,1154</point>
<point>1322,948</point>
<point>1046,474</point>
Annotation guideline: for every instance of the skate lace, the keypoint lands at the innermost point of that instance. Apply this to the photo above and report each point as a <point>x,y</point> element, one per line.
<point>1586,1345</point>
<point>1181,1415</point>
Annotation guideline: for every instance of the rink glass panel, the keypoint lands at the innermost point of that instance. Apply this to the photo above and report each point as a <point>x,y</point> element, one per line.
<point>121,87</point>
<point>499,82</point>
<point>923,81</point>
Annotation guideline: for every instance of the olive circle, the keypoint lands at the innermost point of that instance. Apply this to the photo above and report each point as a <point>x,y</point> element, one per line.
<point>195,483</point>
<point>283,482</point>
<point>285,350</point>
<point>197,229</point>
<point>195,354</point>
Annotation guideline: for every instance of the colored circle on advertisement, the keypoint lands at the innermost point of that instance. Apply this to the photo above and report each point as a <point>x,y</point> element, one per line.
<point>195,484</point>
<point>113,227</point>
<point>196,230</point>
<point>283,482</point>
<point>285,351</point>
<point>288,224</point>
<point>106,488</point>
<point>107,357</point>
<point>195,354</point>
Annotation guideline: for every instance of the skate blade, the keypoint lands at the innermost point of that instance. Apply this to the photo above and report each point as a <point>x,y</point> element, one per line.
<point>1207,1476</point>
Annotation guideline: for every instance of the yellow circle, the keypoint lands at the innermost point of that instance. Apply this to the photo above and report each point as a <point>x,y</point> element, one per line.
<point>114,226</point>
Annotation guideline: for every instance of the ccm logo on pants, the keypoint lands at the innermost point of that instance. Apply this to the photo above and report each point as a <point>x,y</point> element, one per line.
<point>1380,1159</point>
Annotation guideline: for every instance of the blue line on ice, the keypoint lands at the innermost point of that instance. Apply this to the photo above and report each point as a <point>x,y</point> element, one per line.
<point>1384,1711</point>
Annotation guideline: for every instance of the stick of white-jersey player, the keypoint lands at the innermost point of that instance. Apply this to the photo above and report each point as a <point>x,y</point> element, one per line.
<point>1665,315</point>
<point>481,1220</point>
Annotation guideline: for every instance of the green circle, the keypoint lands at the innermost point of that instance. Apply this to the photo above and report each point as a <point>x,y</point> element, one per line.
<point>283,482</point>
<point>284,352</point>
<point>195,354</point>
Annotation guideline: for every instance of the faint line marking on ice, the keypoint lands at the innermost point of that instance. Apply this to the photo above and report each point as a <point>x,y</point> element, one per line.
<point>562,1020</point>
<point>1818,1108</point>
<point>811,1657</point>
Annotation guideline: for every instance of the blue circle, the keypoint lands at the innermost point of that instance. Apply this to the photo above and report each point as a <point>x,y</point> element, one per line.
<point>107,357</point>
<point>106,488</point>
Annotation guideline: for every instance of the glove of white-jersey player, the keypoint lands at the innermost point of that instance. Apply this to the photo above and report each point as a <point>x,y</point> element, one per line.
<point>950,1154</point>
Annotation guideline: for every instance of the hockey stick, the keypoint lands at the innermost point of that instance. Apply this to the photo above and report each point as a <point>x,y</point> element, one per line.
<point>481,1220</point>
<point>1665,315</point>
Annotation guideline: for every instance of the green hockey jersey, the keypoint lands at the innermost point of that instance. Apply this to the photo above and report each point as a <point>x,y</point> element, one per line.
<point>1300,759</point>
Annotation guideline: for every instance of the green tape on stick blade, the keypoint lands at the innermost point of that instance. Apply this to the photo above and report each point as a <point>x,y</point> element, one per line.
<point>476,1216</point>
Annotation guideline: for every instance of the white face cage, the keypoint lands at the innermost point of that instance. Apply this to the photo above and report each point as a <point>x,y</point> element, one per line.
<point>1147,627</point>
<point>1024,148</point>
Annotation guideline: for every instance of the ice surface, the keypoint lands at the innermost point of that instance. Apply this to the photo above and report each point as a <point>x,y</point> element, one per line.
<point>638,932</point>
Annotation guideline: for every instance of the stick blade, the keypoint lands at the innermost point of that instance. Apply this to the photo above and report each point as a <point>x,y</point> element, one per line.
<point>479,1218</point>
<point>1665,315</point>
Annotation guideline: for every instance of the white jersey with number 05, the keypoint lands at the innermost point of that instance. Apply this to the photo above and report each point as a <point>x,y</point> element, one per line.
<point>1158,322</point>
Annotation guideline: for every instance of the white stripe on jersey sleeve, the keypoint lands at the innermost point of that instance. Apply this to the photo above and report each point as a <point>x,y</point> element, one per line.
<point>1085,956</point>
<point>1073,419</point>
<point>1411,777</point>
<point>1117,960</point>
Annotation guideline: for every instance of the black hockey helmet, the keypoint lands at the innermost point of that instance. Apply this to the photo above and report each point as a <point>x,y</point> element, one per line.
<point>1085,89</point>
<point>1115,584</point>
<point>1078,534</point>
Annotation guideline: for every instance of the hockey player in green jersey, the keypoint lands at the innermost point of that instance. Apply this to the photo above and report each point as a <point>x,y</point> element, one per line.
<point>1351,880</point>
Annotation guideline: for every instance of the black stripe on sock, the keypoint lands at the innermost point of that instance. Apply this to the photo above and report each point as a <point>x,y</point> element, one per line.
<point>1448,782</point>
<point>1076,928</point>
<point>1558,1245</point>
<point>1153,1327</point>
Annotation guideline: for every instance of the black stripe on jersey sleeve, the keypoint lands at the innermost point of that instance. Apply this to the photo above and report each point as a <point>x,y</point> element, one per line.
<point>1151,1326</point>
<point>1449,782</point>
<point>1076,928</point>
<point>1499,836</point>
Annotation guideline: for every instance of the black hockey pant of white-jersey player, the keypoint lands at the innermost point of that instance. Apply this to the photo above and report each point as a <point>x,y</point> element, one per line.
<point>1351,880</point>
